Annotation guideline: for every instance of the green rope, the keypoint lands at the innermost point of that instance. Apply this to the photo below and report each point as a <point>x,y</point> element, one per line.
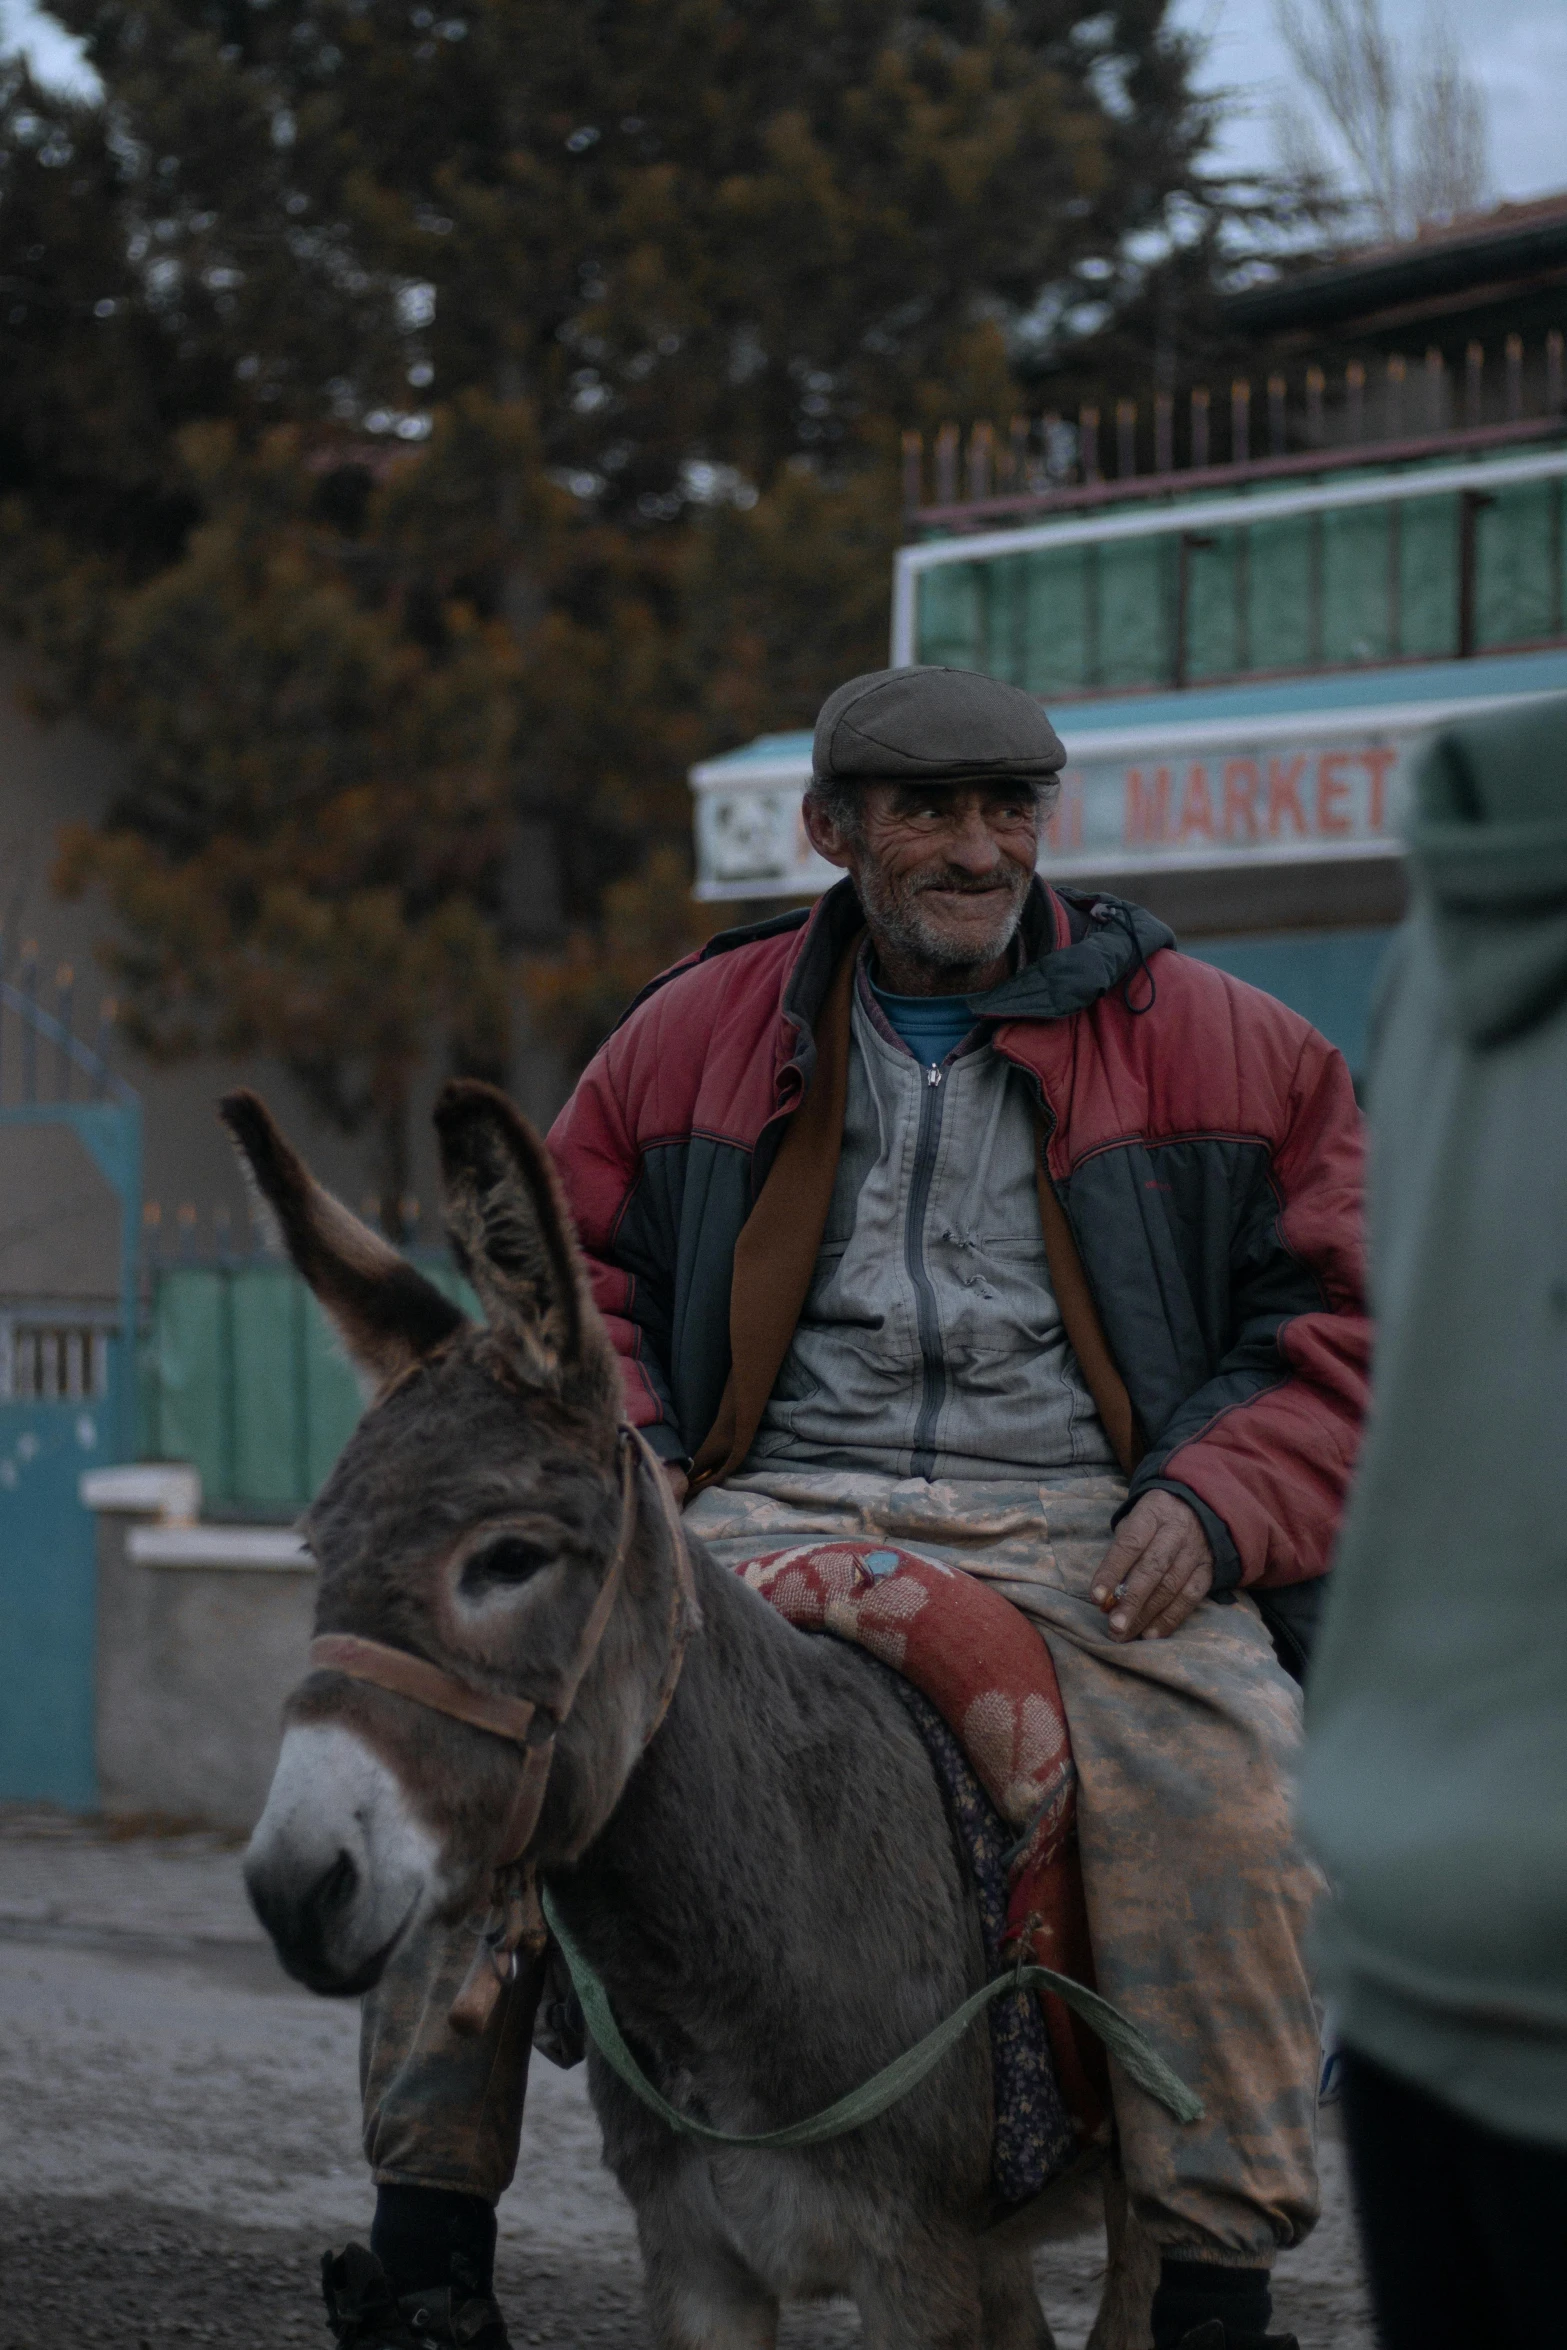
<point>1121,2037</point>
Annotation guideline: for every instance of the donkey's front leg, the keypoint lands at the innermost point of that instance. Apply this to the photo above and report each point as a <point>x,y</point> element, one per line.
<point>1009,2299</point>
<point>709,2309</point>
<point>927,2299</point>
<point>701,2296</point>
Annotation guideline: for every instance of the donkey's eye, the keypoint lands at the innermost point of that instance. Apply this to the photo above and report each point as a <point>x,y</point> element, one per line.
<point>509,1560</point>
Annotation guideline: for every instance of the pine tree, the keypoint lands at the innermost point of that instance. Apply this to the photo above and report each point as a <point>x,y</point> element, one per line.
<point>485,413</point>
<point>323,880</point>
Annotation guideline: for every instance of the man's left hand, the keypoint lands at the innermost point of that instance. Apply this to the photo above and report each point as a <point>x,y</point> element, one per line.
<point>1158,1568</point>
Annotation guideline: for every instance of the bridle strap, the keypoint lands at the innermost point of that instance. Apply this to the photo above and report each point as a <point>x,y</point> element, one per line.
<point>523,1721</point>
<point>403,1674</point>
<point>603,1608</point>
<point>514,1913</point>
<point>528,1802</point>
<point>406,1675</point>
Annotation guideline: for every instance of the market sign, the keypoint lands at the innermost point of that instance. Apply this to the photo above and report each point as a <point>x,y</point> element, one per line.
<point>1212,795</point>
<point>1222,806</point>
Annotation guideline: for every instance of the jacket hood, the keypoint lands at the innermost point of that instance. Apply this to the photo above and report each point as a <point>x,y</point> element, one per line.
<point>1488,858</point>
<point>1110,941</point>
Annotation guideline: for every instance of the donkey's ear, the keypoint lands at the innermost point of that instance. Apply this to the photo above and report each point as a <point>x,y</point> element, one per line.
<point>513,1236</point>
<point>387,1315</point>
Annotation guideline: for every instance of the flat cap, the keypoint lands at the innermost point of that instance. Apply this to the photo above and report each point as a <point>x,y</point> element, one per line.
<point>934,726</point>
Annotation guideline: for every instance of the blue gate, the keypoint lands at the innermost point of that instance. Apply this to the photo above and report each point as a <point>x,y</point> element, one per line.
<point>67,1380</point>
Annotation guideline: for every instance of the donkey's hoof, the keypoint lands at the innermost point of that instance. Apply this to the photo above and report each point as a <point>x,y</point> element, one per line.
<point>363,2313</point>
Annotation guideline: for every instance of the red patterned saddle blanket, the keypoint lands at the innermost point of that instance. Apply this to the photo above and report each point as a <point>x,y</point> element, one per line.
<point>987,1671</point>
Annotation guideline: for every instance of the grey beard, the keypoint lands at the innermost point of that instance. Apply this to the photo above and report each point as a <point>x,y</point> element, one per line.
<point>899,916</point>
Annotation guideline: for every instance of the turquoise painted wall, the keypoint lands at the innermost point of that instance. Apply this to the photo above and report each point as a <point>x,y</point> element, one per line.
<point>1328,976</point>
<point>49,1598</point>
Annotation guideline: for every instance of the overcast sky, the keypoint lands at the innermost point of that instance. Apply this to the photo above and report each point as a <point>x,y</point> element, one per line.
<point>55,56</point>
<point>1521,61</point>
<point>1517,47</point>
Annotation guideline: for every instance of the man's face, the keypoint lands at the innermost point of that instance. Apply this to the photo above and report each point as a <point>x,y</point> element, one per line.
<point>942,871</point>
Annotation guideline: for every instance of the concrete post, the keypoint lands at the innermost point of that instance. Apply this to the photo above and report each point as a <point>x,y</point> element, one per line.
<point>202,1631</point>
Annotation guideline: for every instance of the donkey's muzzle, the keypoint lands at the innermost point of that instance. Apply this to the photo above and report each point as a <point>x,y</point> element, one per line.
<point>309,1923</point>
<point>338,1867</point>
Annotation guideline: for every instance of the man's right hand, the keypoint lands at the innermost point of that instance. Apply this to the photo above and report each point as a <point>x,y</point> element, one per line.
<point>678,1482</point>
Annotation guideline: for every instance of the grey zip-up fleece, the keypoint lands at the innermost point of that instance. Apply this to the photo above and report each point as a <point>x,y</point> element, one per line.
<point>931,1344</point>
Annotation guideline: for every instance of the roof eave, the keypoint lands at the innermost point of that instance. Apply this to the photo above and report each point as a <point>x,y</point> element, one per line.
<point>1350,289</point>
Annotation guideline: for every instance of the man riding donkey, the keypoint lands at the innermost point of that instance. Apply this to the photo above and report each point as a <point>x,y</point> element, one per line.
<point>968,1215</point>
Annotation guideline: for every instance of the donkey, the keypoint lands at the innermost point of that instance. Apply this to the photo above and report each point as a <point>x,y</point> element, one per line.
<point>767,1886</point>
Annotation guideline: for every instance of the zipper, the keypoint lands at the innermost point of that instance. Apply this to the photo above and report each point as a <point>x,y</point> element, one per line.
<point>933,1376</point>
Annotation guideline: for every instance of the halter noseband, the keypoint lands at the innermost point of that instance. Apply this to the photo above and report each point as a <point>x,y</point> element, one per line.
<point>515,1918</point>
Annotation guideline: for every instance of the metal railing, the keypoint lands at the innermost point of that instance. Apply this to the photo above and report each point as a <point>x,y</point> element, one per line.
<point>52,1352</point>
<point>42,1059</point>
<point>1159,444</point>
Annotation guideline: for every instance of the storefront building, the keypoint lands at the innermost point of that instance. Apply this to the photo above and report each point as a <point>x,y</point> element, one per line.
<point>1242,662</point>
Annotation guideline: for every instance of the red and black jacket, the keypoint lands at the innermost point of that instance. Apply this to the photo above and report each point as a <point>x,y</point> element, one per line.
<point>1203,1139</point>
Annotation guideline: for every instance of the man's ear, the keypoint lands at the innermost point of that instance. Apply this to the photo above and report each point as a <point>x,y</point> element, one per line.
<point>826,837</point>
<point>512,1232</point>
<point>386,1314</point>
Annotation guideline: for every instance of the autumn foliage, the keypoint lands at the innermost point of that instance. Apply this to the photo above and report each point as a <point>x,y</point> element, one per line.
<point>425,434</point>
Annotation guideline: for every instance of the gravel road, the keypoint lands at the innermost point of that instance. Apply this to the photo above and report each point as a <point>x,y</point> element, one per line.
<point>180,2137</point>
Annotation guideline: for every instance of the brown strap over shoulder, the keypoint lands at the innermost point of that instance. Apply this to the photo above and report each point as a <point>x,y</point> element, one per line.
<point>1084,1330</point>
<point>776,1252</point>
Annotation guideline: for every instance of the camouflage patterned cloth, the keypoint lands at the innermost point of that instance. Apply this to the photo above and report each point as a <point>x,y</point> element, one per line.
<point>1197,1893</point>
<point>439,2110</point>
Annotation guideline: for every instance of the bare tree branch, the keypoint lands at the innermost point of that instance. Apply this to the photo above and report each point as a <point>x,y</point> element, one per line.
<point>1414,132</point>
<point>1447,159</point>
<point>1341,50</point>
<point>1307,172</point>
